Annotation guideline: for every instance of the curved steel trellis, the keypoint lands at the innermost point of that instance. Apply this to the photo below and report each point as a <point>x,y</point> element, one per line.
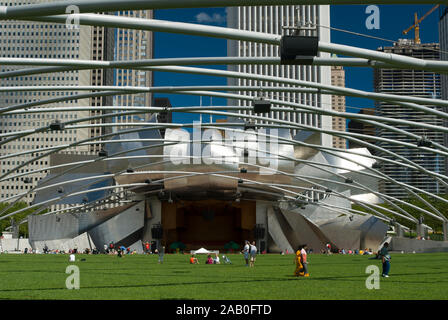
<point>364,58</point>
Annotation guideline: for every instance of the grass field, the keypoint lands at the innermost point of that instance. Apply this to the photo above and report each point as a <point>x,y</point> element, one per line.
<point>412,276</point>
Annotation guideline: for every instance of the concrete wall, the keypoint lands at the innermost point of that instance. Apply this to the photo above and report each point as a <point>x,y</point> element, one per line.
<point>81,242</point>
<point>306,231</point>
<point>153,216</point>
<point>419,246</point>
<point>119,227</point>
<point>262,219</point>
<point>280,241</point>
<point>52,227</point>
<point>359,232</point>
<point>9,245</point>
<point>85,230</point>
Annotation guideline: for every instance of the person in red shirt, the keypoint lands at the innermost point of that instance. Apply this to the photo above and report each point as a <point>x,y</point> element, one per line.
<point>328,248</point>
<point>209,259</point>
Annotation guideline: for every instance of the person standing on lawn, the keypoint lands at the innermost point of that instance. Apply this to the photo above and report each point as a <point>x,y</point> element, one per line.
<point>384,255</point>
<point>246,251</point>
<point>161,254</point>
<point>299,272</point>
<point>304,254</point>
<point>253,253</point>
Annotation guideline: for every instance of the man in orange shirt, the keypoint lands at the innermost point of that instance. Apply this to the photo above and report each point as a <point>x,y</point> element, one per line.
<point>194,260</point>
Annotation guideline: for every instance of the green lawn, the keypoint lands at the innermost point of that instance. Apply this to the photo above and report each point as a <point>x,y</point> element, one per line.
<point>413,276</point>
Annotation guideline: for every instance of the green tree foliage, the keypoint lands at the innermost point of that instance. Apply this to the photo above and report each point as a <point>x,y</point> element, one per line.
<point>5,223</point>
<point>428,220</point>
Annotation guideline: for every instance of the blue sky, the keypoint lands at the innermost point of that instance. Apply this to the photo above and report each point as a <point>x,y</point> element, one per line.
<point>393,20</point>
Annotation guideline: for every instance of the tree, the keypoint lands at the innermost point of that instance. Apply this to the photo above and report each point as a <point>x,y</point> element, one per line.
<point>232,245</point>
<point>434,223</point>
<point>6,223</point>
<point>178,245</point>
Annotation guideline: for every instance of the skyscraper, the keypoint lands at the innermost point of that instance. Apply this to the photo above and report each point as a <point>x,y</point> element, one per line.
<point>338,104</point>
<point>443,39</point>
<point>409,83</point>
<point>116,44</point>
<point>363,128</point>
<point>21,39</point>
<point>132,45</point>
<point>282,20</point>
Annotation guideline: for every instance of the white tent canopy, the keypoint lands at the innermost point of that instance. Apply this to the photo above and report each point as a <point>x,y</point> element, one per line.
<point>204,251</point>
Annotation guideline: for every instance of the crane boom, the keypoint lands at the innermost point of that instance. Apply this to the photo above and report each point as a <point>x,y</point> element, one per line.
<point>417,22</point>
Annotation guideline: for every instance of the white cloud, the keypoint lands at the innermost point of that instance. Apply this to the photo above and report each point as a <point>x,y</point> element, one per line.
<point>216,18</point>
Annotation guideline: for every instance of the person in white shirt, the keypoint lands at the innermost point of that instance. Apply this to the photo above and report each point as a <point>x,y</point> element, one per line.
<point>216,260</point>
<point>246,251</point>
<point>304,260</point>
<point>253,253</point>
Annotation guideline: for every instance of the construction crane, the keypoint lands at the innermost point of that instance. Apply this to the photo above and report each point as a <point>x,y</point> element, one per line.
<point>416,25</point>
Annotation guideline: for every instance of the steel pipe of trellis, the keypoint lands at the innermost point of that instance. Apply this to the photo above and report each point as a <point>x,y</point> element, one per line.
<point>217,174</point>
<point>327,151</point>
<point>19,135</point>
<point>60,7</point>
<point>331,132</point>
<point>101,203</point>
<point>241,35</point>
<point>47,168</point>
<point>307,85</point>
<point>156,25</point>
<point>313,109</point>
<point>359,202</point>
<point>309,128</point>
<point>399,100</point>
<point>105,176</point>
<point>123,64</point>
<point>416,195</point>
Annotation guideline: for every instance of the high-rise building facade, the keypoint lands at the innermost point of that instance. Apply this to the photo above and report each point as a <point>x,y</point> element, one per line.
<point>364,128</point>
<point>443,39</point>
<point>117,44</point>
<point>132,45</point>
<point>22,39</point>
<point>338,104</point>
<point>415,83</point>
<point>282,20</point>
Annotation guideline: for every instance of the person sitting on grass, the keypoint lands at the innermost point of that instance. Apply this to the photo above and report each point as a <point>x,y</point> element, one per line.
<point>226,260</point>
<point>216,259</point>
<point>194,260</point>
<point>209,260</point>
